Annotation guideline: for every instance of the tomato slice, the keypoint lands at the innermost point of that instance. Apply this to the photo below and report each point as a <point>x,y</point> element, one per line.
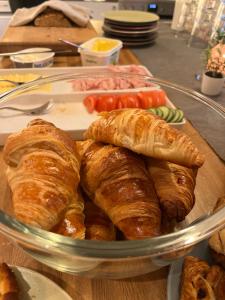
<point>106,103</point>
<point>90,102</point>
<point>162,97</point>
<point>128,101</point>
<point>145,100</point>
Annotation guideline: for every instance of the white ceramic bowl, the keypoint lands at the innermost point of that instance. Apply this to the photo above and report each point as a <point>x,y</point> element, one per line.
<point>33,60</point>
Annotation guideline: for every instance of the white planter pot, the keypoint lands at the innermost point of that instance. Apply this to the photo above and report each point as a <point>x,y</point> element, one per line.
<point>210,85</point>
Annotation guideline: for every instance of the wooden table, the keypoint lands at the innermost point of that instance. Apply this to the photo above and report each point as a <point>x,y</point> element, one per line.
<point>148,287</point>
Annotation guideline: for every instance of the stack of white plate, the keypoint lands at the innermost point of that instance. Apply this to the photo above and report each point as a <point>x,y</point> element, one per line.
<point>133,28</point>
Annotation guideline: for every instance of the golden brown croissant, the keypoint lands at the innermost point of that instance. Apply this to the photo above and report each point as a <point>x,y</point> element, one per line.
<point>117,181</point>
<point>145,133</point>
<point>217,240</point>
<point>43,173</point>
<point>98,225</point>
<point>9,289</point>
<point>174,185</point>
<point>216,278</point>
<point>72,223</point>
<point>194,285</point>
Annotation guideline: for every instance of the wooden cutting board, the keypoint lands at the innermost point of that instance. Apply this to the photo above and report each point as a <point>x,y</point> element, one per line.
<point>18,38</point>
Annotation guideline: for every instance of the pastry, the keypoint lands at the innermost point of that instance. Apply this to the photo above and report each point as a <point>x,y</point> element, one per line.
<point>72,223</point>
<point>43,174</point>
<point>216,278</point>
<point>9,289</point>
<point>98,225</point>
<point>52,18</point>
<point>194,285</point>
<point>174,185</point>
<point>145,133</point>
<point>117,181</point>
<point>217,240</point>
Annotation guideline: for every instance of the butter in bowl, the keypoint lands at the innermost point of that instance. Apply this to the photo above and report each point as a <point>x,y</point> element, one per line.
<point>33,58</point>
<point>100,51</point>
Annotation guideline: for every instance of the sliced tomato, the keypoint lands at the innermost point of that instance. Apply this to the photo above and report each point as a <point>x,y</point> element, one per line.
<point>128,101</point>
<point>162,96</point>
<point>90,102</point>
<point>106,103</point>
<point>145,100</point>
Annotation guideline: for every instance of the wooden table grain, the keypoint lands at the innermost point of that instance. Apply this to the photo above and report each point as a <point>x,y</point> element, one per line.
<point>149,287</point>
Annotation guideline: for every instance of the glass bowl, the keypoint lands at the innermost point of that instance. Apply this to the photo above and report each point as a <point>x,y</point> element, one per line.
<point>205,124</point>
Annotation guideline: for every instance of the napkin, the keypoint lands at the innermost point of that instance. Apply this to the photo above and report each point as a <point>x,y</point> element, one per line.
<point>78,14</point>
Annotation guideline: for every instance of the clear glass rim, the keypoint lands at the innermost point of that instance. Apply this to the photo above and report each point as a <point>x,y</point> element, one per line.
<point>161,245</point>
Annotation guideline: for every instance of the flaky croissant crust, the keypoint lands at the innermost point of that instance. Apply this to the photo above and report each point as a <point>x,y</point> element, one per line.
<point>117,181</point>
<point>145,133</point>
<point>174,185</point>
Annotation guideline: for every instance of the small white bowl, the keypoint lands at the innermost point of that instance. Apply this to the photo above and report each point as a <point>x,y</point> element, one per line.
<point>38,60</point>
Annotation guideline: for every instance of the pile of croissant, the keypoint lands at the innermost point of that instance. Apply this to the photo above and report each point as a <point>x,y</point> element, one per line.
<point>131,172</point>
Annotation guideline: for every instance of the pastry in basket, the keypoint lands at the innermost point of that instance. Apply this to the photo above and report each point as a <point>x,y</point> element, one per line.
<point>145,133</point>
<point>43,174</point>
<point>52,18</point>
<point>98,225</point>
<point>174,185</point>
<point>200,281</point>
<point>72,223</point>
<point>9,289</point>
<point>217,240</point>
<point>117,181</point>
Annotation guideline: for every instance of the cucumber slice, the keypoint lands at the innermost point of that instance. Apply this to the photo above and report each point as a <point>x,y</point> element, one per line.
<point>152,110</point>
<point>165,111</point>
<point>171,115</point>
<point>181,116</point>
<point>176,116</point>
<point>159,112</point>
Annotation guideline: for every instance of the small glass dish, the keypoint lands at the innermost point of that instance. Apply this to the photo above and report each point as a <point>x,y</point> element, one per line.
<point>120,259</point>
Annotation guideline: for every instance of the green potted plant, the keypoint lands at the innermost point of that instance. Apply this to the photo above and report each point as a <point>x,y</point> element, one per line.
<point>213,76</point>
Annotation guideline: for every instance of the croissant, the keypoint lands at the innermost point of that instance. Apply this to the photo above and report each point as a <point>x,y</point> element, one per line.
<point>9,289</point>
<point>98,225</point>
<point>145,133</point>
<point>217,240</point>
<point>72,223</point>
<point>194,285</point>
<point>216,278</point>
<point>117,181</point>
<point>43,173</point>
<point>174,185</point>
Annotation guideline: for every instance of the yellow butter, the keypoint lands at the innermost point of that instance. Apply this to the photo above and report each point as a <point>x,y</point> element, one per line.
<point>103,45</point>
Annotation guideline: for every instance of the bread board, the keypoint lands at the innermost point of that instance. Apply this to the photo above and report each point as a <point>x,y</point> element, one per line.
<point>68,112</point>
<point>22,37</point>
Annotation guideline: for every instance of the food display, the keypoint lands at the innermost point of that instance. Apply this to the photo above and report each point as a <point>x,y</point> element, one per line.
<point>108,102</point>
<point>119,192</point>
<point>201,281</point>
<point>9,288</point>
